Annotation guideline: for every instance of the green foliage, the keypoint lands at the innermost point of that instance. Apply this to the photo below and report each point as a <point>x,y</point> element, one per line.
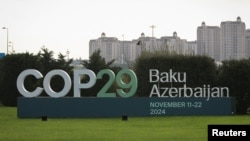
<point>47,62</point>
<point>235,74</point>
<point>12,65</point>
<point>97,63</point>
<point>200,70</point>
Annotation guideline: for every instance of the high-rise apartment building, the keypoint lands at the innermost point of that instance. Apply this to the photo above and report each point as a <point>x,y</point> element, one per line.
<point>233,40</point>
<point>229,41</point>
<point>112,48</point>
<point>109,47</point>
<point>192,48</point>
<point>208,41</point>
<point>173,43</point>
<point>125,52</point>
<point>248,42</point>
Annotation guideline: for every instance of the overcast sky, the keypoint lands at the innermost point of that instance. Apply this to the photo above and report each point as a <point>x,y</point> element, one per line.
<point>62,25</point>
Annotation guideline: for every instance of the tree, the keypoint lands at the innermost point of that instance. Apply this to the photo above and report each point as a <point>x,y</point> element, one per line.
<point>200,70</point>
<point>11,66</point>
<point>47,62</point>
<point>97,63</point>
<point>235,74</point>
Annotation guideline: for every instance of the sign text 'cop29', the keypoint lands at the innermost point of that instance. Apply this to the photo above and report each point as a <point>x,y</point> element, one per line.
<point>78,74</point>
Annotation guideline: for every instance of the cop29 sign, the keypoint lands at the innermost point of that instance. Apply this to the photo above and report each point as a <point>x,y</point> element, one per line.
<point>161,101</point>
<point>131,85</point>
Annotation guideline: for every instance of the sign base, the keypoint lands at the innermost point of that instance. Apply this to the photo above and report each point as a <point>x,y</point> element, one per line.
<point>71,107</point>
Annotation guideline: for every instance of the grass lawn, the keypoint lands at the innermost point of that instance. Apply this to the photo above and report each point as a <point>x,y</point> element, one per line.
<point>169,128</point>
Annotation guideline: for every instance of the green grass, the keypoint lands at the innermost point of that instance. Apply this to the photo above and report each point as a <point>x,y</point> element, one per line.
<point>170,128</point>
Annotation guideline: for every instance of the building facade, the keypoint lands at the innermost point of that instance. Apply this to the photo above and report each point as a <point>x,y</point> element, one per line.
<point>229,41</point>
<point>248,42</point>
<point>109,47</point>
<point>208,41</point>
<point>192,48</point>
<point>233,40</point>
<point>125,52</point>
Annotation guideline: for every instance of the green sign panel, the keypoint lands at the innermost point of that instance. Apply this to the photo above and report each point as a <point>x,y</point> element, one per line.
<point>2,55</point>
<point>116,107</point>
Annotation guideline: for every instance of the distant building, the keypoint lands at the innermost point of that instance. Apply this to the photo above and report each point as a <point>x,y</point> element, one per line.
<point>248,42</point>
<point>145,43</point>
<point>109,47</point>
<point>229,41</point>
<point>233,40</point>
<point>208,41</point>
<point>125,52</point>
<point>192,48</point>
<point>175,44</point>
<point>172,43</point>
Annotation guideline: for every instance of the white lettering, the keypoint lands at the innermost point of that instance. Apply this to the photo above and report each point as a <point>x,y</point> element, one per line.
<point>216,132</point>
<point>198,92</point>
<point>156,76</point>
<point>47,80</point>
<point>47,86</point>
<point>153,75</point>
<point>20,83</point>
<point>167,104</point>
<point>77,81</point>
<point>155,91</point>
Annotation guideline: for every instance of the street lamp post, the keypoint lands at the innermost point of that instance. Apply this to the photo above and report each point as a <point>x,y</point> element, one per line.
<point>67,52</point>
<point>11,44</point>
<point>7,39</point>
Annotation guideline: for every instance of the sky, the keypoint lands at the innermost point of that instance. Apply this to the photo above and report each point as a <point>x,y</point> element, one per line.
<point>69,25</point>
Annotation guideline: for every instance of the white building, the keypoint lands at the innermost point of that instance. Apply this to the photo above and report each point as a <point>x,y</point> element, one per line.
<point>208,41</point>
<point>173,43</point>
<point>248,42</point>
<point>192,48</point>
<point>109,47</point>
<point>125,52</point>
<point>233,40</point>
<point>229,41</point>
